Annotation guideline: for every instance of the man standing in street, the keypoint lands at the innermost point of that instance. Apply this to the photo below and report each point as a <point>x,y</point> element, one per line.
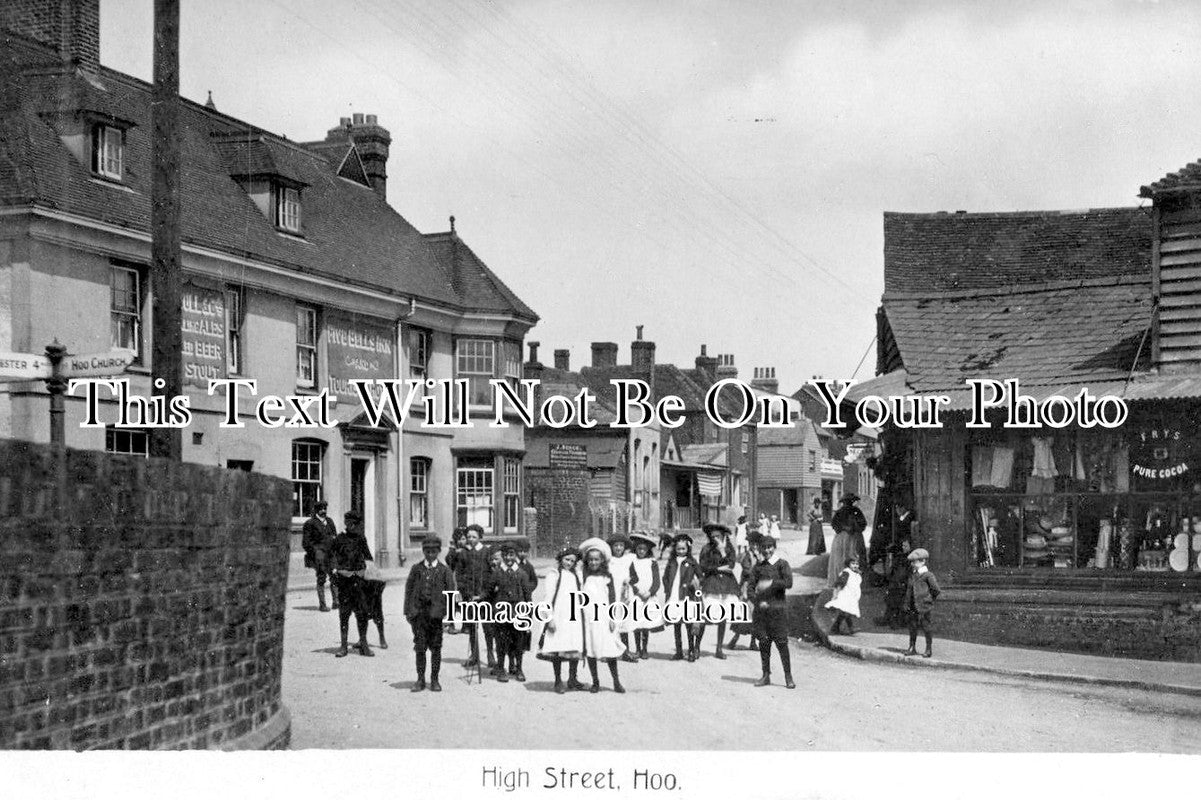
<point>317,539</point>
<point>425,608</point>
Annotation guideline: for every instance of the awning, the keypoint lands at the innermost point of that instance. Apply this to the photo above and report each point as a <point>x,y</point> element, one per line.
<point>709,483</point>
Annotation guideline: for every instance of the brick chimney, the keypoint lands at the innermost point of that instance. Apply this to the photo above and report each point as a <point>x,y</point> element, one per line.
<point>372,141</point>
<point>642,354</point>
<point>765,379</point>
<point>707,364</point>
<point>71,27</point>
<point>725,366</point>
<point>563,360</point>
<point>532,369</point>
<point>604,354</point>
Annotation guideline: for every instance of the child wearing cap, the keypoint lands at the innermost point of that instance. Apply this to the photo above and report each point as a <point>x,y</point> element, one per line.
<point>425,608</point>
<point>646,591</point>
<point>509,586</point>
<point>524,638</point>
<point>772,577</point>
<point>919,601</point>
<point>563,639</point>
<point>682,579</point>
<point>472,566</point>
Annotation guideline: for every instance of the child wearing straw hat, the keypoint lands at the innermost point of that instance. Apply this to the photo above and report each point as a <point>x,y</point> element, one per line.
<point>601,641</point>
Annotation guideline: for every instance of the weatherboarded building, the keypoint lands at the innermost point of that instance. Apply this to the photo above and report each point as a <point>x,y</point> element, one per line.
<point>1074,538</point>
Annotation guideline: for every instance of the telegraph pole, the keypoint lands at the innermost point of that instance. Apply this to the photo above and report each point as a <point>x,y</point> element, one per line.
<point>165,279</point>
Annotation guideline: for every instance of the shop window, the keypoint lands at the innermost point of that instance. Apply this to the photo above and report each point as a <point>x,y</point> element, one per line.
<point>512,494</point>
<point>473,493</point>
<point>476,361</point>
<point>234,321</point>
<point>1121,500</point>
<point>127,441</point>
<point>419,475</point>
<point>126,285</point>
<point>306,347</point>
<point>108,152</point>
<point>308,458</point>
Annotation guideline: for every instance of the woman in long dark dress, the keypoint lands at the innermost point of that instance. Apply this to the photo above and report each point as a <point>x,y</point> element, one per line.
<point>817,531</point>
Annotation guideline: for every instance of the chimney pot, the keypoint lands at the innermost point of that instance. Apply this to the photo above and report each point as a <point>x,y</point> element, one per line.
<point>563,360</point>
<point>534,351</point>
<point>358,119</point>
<point>639,327</point>
<point>344,122</point>
<point>371,119</point>
<point>372,143</point>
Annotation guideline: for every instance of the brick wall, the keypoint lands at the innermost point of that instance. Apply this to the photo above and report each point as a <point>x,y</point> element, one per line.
<point>141,602</point>
<point>71,28</point>
<point>1151,626</point>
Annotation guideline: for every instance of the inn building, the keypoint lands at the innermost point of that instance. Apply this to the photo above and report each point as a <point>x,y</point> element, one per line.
<point>298,274</point>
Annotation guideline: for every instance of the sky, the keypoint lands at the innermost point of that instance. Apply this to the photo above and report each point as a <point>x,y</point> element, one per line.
<point>714,171</point>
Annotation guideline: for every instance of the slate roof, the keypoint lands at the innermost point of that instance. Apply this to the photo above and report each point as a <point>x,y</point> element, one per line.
<point>1045,297</point>
<point>712,454</point>
<point>926,253</point>
<point>350,233</point>
<point>477,285</point>
<point>1186,178</point>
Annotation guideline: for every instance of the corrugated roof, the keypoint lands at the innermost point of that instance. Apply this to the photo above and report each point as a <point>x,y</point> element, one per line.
<point>1186,178</point>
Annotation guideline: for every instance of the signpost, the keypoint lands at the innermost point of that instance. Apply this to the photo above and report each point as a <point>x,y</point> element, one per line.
<point>56,368</point>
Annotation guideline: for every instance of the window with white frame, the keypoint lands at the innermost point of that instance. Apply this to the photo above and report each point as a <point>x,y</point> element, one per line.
<point>419,478</point>
<point>233,330</point>
<point>287,208</point>
<point>512,363</point>
<point>127,441</point>
<point>125,308</point>
<point>307,459</point>
<point>108,152</point>
<point>813,461</point>
<point>419,353</point>
<point>473,493</point>
<point>746,441</point>
<point>306,347</point>
<point>475,360</point>
<point>512,493</point>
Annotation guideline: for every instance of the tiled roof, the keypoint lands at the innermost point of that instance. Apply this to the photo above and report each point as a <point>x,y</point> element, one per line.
<point>349,232</point>
<point>926,253</point>
<point>713,454</point>
<point>478,284</point>
<point>1081,332</point>
<point>1188,177</point>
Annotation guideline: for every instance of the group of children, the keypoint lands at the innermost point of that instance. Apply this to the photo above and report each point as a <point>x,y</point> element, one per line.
<point>623,569</point>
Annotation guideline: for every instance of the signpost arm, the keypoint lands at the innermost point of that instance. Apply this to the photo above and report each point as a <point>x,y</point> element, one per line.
<point>166,282</point>
<point>56,384</point>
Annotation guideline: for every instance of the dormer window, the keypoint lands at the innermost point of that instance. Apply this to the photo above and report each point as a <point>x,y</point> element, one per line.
<point>287,208</point>
<point>108,152</point>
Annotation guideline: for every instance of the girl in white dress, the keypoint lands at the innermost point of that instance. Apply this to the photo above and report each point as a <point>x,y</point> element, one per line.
<point>845,601</point>
<point>601,641</point>
<point>562,639</point>
<point>619,568</point>
<point>646,591</point>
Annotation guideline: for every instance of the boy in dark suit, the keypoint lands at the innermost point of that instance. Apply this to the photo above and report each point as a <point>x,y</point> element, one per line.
<point>509,585</point>
<point>919,601</point>
<point>349,555</point>
<point>425,607</point>
<point>771,578</point>
<point>472,568</point>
